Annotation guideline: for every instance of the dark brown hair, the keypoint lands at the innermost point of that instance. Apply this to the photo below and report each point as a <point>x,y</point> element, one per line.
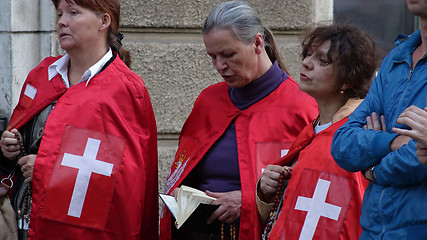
<point>112,8</point>
<point>352,53</point>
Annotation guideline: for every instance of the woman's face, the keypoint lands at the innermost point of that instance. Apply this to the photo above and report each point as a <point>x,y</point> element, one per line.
<point>78,28</point>
<point>234,60</point>
<point>317,73</point>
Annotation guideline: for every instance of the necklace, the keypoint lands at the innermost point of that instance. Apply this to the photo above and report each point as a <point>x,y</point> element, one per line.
<point>277,201</point>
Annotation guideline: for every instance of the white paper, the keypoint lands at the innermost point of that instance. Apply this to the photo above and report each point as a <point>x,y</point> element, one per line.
<point>170,203</point>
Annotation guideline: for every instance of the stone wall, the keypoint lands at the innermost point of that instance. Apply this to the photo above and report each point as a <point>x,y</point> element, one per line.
<point>25,39</point>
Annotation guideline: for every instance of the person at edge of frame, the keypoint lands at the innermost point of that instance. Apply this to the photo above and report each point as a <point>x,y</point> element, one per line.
<point>87,166</point>
<point>394,205</point>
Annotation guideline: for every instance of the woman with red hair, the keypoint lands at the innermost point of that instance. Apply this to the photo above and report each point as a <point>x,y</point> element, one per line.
<point>82,139</point>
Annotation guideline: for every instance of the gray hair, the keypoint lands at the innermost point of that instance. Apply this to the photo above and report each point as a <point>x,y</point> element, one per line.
<point>245,23</point>
<point>237,16</point>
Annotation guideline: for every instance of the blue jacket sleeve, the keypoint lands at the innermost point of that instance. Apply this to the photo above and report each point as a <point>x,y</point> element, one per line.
<point>401,167</point>
<point>355,148</point>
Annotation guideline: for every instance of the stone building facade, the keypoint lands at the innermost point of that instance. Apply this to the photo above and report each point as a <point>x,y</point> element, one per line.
<point>166,46</point>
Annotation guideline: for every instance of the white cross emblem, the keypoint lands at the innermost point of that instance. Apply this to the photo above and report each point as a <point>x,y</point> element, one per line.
<point>86,164</point>
<point>316,207</point>
<point>283,152</point>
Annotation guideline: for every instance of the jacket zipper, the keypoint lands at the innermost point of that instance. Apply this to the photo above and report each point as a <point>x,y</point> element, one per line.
<point>401,97</point>
<point>394,121</point>
<point>379,208</point>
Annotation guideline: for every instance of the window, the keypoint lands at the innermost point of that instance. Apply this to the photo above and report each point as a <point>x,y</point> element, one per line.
<point>384,20</point>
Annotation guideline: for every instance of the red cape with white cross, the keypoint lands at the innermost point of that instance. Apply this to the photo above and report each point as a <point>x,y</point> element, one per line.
<point>95,175</point>
<point>264,132</point>
<point>322,200</point>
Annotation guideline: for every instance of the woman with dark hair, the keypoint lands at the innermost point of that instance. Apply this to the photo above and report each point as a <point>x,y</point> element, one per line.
<point>236,127</point>
<point>82,139</point>
<point>306,195</point>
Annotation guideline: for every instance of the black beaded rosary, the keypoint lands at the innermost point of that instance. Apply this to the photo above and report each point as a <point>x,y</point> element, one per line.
<point>24,205</point>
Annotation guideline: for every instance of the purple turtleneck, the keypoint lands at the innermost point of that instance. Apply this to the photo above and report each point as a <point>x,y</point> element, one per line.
<point>218,170</point>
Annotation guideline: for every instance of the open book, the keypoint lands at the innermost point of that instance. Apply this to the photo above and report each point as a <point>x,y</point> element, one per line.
<point>192,207</point>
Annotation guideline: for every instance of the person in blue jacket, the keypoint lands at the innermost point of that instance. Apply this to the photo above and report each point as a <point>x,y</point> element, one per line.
<point>394,204</point>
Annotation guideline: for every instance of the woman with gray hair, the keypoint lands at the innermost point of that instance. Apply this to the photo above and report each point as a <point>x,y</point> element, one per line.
<point>237,126</point>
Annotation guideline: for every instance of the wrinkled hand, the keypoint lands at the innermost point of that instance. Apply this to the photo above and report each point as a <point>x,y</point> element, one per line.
<point>415,118</point>
<point>269,181</point>
<point>373,122</point>
<point>421,153</point>
<point>230,205</point>
<point>27,166</point>
<point>10,145</point>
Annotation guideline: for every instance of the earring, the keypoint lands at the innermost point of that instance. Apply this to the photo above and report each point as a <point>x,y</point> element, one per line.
<point>341,92</point>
